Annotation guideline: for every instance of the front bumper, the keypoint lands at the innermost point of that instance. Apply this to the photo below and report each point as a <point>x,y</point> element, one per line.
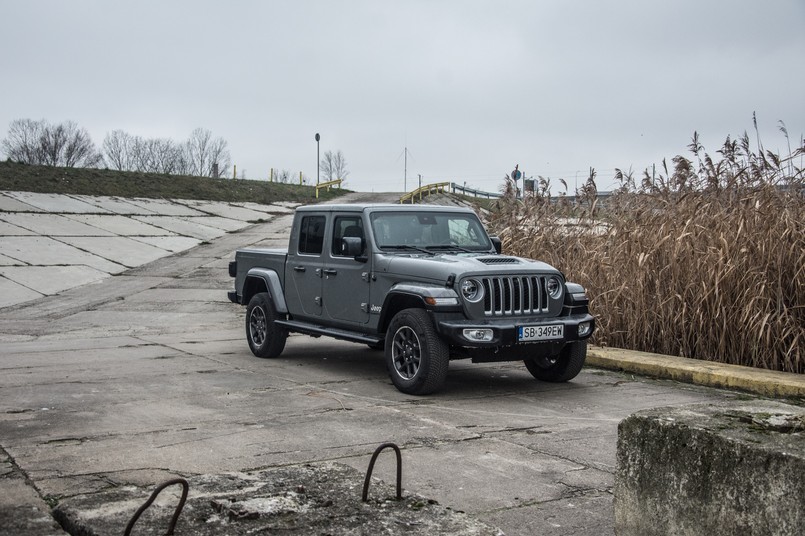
<point>504,330</point>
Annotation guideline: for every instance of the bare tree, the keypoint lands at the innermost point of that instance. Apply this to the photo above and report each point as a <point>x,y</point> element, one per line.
<point>117,147</point>
<point>326,166</point>
<point>78,149</point>
<point>202,152</point>
<point>340,166</point>
<point>22,143</point>
<point>283,176</point>
<point>150,155</point>
<point>333,166</point>
<point>167,156</point>
<point>38,142</point>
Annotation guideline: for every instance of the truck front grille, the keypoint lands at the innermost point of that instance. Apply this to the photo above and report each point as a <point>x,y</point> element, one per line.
<point>515,295</point>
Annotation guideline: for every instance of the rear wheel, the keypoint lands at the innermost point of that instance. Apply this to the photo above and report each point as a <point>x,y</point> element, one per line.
<point>266,339</point>
<point>563,367</point>
<point>416,357</point>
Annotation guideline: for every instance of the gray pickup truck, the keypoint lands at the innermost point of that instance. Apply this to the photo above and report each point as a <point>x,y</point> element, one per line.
<point>424,283</point>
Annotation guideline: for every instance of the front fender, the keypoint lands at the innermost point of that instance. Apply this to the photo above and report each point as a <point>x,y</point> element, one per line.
<point>407,295</point>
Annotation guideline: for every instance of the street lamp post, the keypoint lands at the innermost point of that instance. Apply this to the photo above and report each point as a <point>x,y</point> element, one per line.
<point>318,158</point>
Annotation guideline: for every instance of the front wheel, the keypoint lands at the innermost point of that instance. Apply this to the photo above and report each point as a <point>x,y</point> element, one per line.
<point>416,357</point>
<point>564,367</point>
<point>266,339</point>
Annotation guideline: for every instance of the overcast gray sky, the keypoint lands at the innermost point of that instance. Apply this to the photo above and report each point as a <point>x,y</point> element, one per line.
<point>471,88</point>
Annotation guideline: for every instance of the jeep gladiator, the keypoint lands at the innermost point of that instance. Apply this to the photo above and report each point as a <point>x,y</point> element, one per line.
<point>425,284</point>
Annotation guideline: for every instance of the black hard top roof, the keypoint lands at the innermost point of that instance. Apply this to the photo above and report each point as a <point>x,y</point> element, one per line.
<point>381,207</point>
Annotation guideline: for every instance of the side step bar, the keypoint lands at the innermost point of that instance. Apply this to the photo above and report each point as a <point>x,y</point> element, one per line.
<point>335,333</point>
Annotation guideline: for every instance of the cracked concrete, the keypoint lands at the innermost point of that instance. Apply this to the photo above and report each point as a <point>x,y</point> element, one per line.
<point>148,376</point>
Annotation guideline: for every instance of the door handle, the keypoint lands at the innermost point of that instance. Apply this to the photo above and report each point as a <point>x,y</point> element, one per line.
<point>299,268</point>
<point>329,271</point>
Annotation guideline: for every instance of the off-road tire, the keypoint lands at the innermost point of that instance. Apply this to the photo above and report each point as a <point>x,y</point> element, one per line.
<point>266,339</point>
<point>567,366</point>
<point>416,358</point>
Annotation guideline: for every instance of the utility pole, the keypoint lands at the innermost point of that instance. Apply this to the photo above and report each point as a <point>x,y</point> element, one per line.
<point>318,158</point>
<point>420,180</point>
<point>405,172</point>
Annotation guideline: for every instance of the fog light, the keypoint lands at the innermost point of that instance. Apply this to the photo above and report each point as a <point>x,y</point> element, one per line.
<point>478,334</point>
<point>584,329</point>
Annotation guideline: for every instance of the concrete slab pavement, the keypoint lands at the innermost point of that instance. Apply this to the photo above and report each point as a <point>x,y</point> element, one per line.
<point>52,279</point>
<point>182,226</point>
<point>8,229</point>
<point>55,203</point>
<point>56,242</point>
<point>120,225</point>
<point>53,225</point>
<point>116,205</point>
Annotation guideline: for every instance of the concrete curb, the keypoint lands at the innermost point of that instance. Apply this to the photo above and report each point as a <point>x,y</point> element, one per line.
<point>757,381</point>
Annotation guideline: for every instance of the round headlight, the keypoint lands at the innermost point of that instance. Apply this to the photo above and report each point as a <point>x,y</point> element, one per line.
<point>554,287</point>
<point>472,290</point>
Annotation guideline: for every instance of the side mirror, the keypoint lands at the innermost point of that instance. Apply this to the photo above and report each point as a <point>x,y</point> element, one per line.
<point>352,246</point>
<point>497,243</point>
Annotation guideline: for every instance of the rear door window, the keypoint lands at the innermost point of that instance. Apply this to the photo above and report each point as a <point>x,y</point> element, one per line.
<point>311,235</point>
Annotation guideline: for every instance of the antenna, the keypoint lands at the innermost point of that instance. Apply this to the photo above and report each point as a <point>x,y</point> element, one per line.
<point>405,175</point>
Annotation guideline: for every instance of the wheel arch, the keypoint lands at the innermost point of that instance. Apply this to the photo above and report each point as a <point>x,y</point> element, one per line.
<point>396,302</point>
<point>264,280</point>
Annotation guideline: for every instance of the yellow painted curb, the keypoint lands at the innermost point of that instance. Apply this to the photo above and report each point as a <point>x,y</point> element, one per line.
<point>758,381</point>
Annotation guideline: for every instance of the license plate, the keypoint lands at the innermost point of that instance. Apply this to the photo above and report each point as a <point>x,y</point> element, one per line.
<point>540,333</point>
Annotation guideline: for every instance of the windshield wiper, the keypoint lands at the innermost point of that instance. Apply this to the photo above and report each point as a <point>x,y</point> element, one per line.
<point>451,247</point>
<point>407,246</point>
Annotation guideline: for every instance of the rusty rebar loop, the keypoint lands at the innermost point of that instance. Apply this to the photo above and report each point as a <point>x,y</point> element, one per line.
<point>379,449</point>
<point>144,507</point>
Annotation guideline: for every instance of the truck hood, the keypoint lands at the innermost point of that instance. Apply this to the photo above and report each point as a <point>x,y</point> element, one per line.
<point>439,266</point>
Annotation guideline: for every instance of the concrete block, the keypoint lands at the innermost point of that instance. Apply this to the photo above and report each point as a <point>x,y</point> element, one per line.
<point>268,209</point>
<point>22,511</point>
<point>52,279</point>
<point>8,261</point>
<point>174,244</point>
<point>9,229</point>
<point>9,204</point>
<point>120,225</point>
<point>43,251</point>
<point>730,468</point>
<point>225,210</point>
<point>182,227</point>
<point>12,293</point>
<point>56,203</point>
<point>54,225</point>
<point>218,222</point>
<point>115,205</point>
<point>119,249</point>
<point>165,207</point>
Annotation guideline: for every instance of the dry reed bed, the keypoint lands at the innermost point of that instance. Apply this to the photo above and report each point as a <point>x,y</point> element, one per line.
<point>712,271</point>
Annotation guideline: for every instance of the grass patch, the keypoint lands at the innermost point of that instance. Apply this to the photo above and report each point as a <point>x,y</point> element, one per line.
<point>86,181</point>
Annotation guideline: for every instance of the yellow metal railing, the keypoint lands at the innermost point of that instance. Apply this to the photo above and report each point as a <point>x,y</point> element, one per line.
<point>428,189</point>
<point>328,184</point>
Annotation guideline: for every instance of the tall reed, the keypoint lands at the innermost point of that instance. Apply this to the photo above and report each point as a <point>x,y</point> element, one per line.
<point>704,260</point>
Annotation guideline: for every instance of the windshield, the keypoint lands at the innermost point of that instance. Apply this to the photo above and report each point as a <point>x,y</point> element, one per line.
<point>430,231</point>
